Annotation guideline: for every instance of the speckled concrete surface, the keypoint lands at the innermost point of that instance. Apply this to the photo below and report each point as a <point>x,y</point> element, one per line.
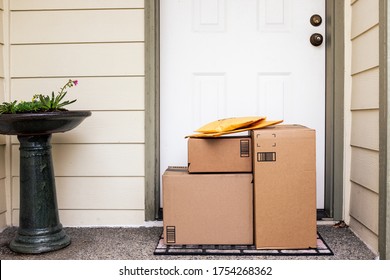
<point>139,243</point>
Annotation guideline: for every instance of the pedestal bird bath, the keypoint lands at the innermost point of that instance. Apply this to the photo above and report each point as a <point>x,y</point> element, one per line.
<point>40,229</point>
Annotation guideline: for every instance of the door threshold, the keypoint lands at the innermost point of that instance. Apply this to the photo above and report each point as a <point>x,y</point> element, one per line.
<point>323,216</point>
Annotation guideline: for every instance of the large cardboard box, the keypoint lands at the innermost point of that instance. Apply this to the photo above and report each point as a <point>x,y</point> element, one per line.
<point>207,208</point>
<point>219,155</point>
<point>284,187</point>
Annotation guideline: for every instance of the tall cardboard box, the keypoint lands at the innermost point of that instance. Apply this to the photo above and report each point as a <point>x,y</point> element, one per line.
<point>284,169</point>
<point>207,208</point>
<point>220,155</point>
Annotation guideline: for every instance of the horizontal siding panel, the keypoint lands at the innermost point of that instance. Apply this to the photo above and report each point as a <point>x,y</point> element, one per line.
<point>2,93</point>
<point>91,26</point>
<point>365,51</point>
<point>365,129</point>
<point>2,161</point>
<point>365,168</point>
<point>364,207</point>
<point>103,93</point>
<point>74,218</point>
<point>369,237</point>
<point>365,14</point>
<point>74,4</point>
<point>111,193</point>
<point>1,29</point>
<point>365,90</point>
<point>3,221</point>
<point>105,127</point>
<point>3,203</point>
<point>77,60</point>
<point>93,160</point>
<point>2,61</point>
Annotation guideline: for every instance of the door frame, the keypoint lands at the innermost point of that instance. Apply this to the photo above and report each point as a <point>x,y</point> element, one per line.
<point>334,147</point>
<point>334,131</point>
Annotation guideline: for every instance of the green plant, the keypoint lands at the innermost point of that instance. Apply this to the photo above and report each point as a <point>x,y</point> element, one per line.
<point>8,107</point>
<point>40,102</point>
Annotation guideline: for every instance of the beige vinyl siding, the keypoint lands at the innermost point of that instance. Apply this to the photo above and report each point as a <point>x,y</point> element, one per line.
<point>101,93</point>
<point>78,60</point>
<point>367,81</point>
<point>75,4</point>
<point>79,28</point>
<point>99,166</point>
<point>3,201</point>
<point>364,175</point>
<point>365,162</point>
<point>94,202</point>
<point>365,129</point>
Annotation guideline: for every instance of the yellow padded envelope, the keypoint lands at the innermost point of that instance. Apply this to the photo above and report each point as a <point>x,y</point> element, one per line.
<point>228,124</point>
<point>257,125</point>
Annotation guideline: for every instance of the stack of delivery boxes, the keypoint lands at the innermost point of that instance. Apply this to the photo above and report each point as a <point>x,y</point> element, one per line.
<point>256,189</point>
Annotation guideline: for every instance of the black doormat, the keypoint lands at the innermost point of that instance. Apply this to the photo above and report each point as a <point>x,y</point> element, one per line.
<point>242,250</point>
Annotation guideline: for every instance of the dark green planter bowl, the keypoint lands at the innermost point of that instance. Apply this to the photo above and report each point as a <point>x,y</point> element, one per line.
<point>41,123</point>
<point>39,229</point>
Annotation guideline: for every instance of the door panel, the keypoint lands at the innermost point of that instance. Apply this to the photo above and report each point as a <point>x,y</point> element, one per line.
<point>229,58</point>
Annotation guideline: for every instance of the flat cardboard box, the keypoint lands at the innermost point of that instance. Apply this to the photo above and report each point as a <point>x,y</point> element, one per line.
<point>284,166</point>
<point>220,155</point>
<point>207,208</point>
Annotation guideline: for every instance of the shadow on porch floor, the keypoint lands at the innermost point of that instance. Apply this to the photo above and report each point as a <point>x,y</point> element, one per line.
<point>139,243</point>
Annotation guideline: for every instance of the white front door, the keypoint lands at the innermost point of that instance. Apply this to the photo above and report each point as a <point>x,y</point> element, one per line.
<point>231,58</point>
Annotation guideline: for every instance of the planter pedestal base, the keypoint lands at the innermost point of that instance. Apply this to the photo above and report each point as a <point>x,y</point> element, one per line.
<point>40,229</point>
<point>36,242</point>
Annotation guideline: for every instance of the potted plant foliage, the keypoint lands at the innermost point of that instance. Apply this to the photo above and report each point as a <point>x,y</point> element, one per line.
<point>33,122</point>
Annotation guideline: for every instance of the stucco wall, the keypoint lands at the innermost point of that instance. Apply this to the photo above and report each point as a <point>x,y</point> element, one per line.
<point>364,115</point>
<point>99,166</point>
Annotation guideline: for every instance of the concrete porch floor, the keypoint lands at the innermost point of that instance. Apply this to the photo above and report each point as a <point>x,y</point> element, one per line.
<point>139,243</point>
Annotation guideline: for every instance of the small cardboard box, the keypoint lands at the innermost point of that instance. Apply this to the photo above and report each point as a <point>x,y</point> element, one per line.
<point>284,187</point>
<point>219,155</point>
<point>207,208</point>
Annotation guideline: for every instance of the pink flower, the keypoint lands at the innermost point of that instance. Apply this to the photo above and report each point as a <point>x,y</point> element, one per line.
<point>75,82</point>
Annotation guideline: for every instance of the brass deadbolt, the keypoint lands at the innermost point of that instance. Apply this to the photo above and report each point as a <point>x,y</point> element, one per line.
<point>316,20</point>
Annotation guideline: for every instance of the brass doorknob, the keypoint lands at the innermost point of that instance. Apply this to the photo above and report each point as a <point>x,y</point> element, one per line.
<point>316,39</point>
<point>316,20</point>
